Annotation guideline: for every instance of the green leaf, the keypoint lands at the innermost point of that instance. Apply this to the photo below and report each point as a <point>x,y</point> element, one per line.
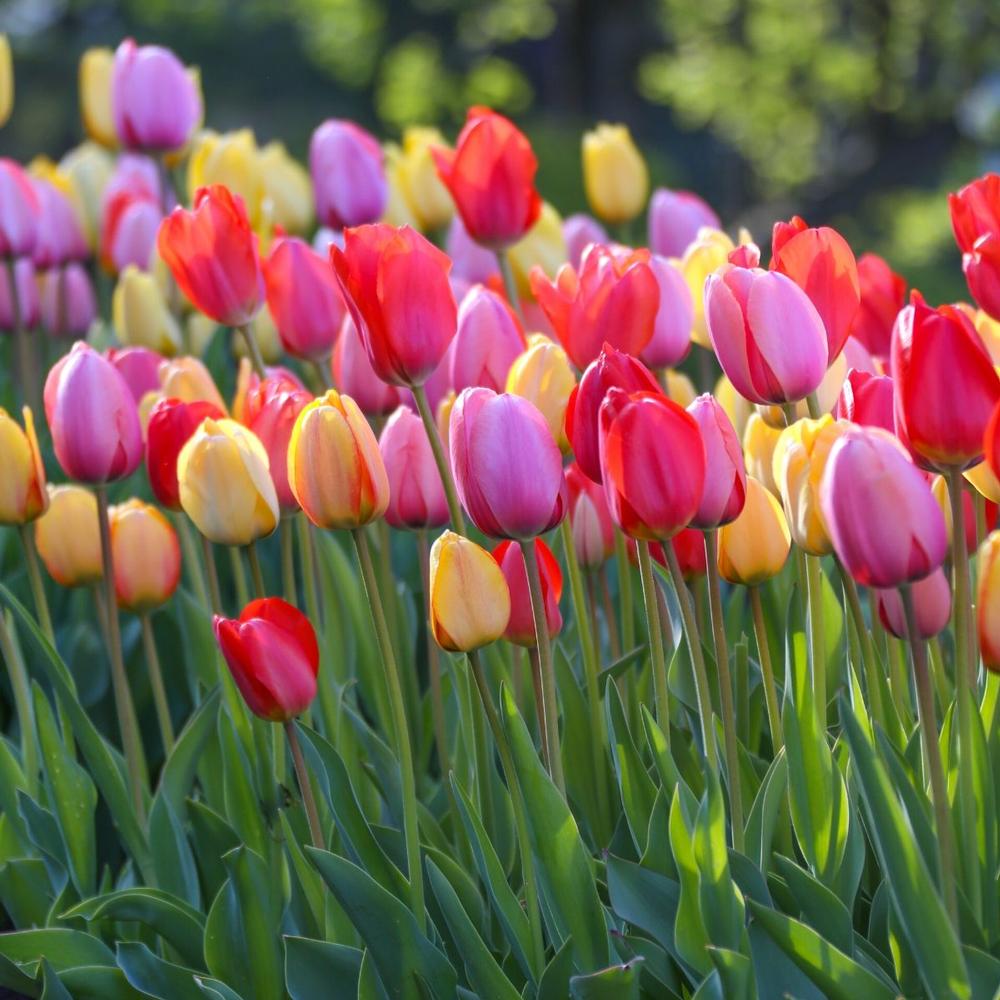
<point>173,860</point>
<point>616,669</point>
<point>212,838</point>
<point>52,988</point>
<point>691,937</point>
<point>321,969</point>
<point>178,772</point>
<point>638,793</point>
<point>64,948</point>
<point>243,810</point>
<point>554,983</point>
<point>764,812</point>
<point>619,982</point>
<point>155,976</point>
<point>821,908</point>
<point>99,982</point>
<point>644,899</point>
<point>25,891</point>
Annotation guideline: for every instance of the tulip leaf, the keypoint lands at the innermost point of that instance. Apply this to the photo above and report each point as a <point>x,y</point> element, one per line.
<point>25,891</point>
<point>618,982</point>
<point>554,982</point>
<point>638,793</point>
<point>179,770</point>
<point>690,935</point>
<point>764,812</point>
<point>155,976</point>
<point>644,899</point>
<point>52,988</point>
<point>63,947</point>
<point>321,969</point>
<point>243,808</point>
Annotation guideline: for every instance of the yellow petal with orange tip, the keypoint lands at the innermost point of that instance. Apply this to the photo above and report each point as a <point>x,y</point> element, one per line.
<point>754,547</point>
<point>23,496</point>
<point>146,556</point>
<point>68,537</point>
<point>988,600</point>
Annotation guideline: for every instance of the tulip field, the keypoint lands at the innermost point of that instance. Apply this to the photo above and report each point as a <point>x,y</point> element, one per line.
<point>406,592</point>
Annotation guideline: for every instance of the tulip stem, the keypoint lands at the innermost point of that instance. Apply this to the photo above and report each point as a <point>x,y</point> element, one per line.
<point>697,659</point>
<point>21,687</point>
<point>255,571</point>
<point>609,614</point>
<point>213,575</point>
<point>815,410</point>
<point>865,638</point>
<point>440,458</point>
<point>550,706</point>
<point>725,687</point>
<point>509,284</point>
<point>814,592</point>
<point>156,683</point>
<point>305,788</point>
<point>659,663</point>
<point>402,735</point>
<point>253,349</point>
<point>536,687</point>
<point>625,592</point>
<point>433,663</point>
<point>192,560</point>
<point>328,704</point>
<point>128,724</point>
<point>239,577</point>
<point>932,755</point>
<point>767,670</point>
<point>287,542</point>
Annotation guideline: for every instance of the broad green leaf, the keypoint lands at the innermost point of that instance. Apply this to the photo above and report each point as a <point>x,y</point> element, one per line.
<point>12,780</point>
<point>212,838</point>
<point>25,891</point>
<point>52,988</point>
<point>822,910</point>
<point>554,983</point>
<point>321,969</point>
<point>619,982</point>
<point>64,948</point>
<point>644,899</point>
<point>735,973</point>
<point>764,812</point>
<point>99,982</point>
<point>179,770</point>
<point>637,791</point>
<point>690,934</point>
<point>243,806</point>
<point>155,976</point>
<point>173,860</point>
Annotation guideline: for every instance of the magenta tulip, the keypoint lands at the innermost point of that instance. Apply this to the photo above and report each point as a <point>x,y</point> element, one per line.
<point>67,303</point>
<point>674,319</point>
<point>674,220</point>
<point>140,367</point>
<point>19,211</point>
<point>473,261</point>
<point>59,237</point>
<point>27,296</point>
<point>579,231</point>
<point>725,473</point>
<point>354,376</point>
<point>348,174</point>
<point>489,340</point>
<point>931,602</point>
<point>416,496</point>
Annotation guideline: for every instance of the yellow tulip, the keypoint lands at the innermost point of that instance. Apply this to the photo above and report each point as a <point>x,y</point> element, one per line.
<point>140,316</point>
<point>96,69</point>
<point>543,244</point>
<point>68,536</point>
<point>89,167</point>
<point>984,481</point>
<point>146,555</point>
<point>754,547</point>
<point>543,374</point>
<point>615,176</point>
<point>200,331</point>
<point>679,387</point>
<point>709,251</point>
<point>23,496</point>
<point>187,379</point>
<point>6,81</point>
<point>988,600</point>
<point>146,404</point>
<point>423,190</point>
<point>759,440</point>
<point>288,190</point>
<point>225,485</point>
<point>231,159</point>
<point>737,408</point>
<point>398,211</point>
<point>470,600</point>
<point>800,456</point>
<point>443,416</point>
<point>335,468</point>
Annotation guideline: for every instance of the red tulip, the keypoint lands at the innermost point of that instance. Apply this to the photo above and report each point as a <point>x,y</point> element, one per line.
<point>19,211</point>
<point>689,547</point>
<point>353,374</point>
<point>822,264</point>
<point>883,294</point>
<point>975,219</point>
<point>395,284</point>
<point>931,602</point>
<point>491,177</point>
<point>171,424</point>
<point>613,299</point>
<point>348,175</point>
<point>944,383</point>
<point>272,653</point>
<point>725,473</point>
<point>489,340</point>
<point>653,463</point>
<point>139,366</point>
<point>416,495</point>
<point>521,627</point>
<point>590,519</point>
<point>212,254</point>
<point>612,368</point>
<point>507,465</point>
<point>674,220</point>
<point>59,238</point>
<point>304,299</point>
<point>866,399</point>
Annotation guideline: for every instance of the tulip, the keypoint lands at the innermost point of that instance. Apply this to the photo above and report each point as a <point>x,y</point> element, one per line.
<point>469,599</point>
<point>395,285</point>
<point>353,374</point>
<point>759,441</point>
<point>272,653</point>
<point>866,399</point>
<point>754,547</point>
<point>579,231</point>
<point>672,330</point>
<point>615,176</point>
<point>822,264</point>
<point>983,480</point>
<point>766,333</point>
<point>490,175</point>
<point>689,547</point>
<point>288,190</point>
<point>28,311</point>
<point>6,81</point>
<point>348,176</point>
<point>171,424</point>
<point>613,299</point>
<point>155,101</point>
<point>145,554</point>
<point>416,495</point>
<point>398,211</point>
<point>68,537</point>
<point>23,496</point>
<point>521,626</point>
<point>725,473</point>
<point>679,388</point>
<point>675,218</point>
<point>988,601</point>
<point>335,469</point>
<point>542,246</point>
<point>931,603</point>
<point>543,376</point>
<point>705,254</point>
<point>225,486</point>
<point>882,518</point>
<point>507,465</point>
<point>986,326</point>
<point>247,381</point>
<point>612,368</point>
<point>140,368</point>
<point>58,237</point>
<point>67,305</point>
<point>130,221</point>
<point>472,262</point>
<point>975,219</point>
<point>187,379</point>
<point>652,462</point>
<point>94,76</point>
<point>427,198</point>
<point>229,160</point>
<point>88,168</point>
<point>592,528</point>
<point>488,340</point>
<point>883,294</point>
<point>19,211</point>
<point>738,409</point>
<point>140,315</point>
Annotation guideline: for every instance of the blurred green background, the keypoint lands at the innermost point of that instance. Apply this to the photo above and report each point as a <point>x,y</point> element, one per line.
<point>857,113</point>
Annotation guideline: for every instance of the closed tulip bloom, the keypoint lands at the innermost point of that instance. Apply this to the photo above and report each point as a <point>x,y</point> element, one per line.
<point>675,217</point>
<point>883,294</point>
<point>613,299</point>
<point>754,547</point>
<point>939,487</point>
<point>353,374</point>
<point>67,304</point>
<point>592,528</point>
<point>272,653</point>
<point>230,160</point>
<point>881,515</point>
<point>247,382</point>
<point>188,379</point>
<point>679,388</point>
<point>146,556</point>
<point>6,81</point>
<point>130,221</point>
<point>335,468</point>
<point>542,246</point>
<point>866,399</point>
<point>822,264</point>
<point>988,601</point>
<point>579,231</point>
<point>348,174</point>
<point>59,237</point>
<point>766,333</point>
<point>287,189</point>
<point>759,441</point>
<point>94,76</point>
<point>472,261</point>
<point>212,254</point>
<point>982,479</point>
<point>653,463</point>
<point>705,254</point>
<point>28,307</point>
<point>689,547</point>
<point>416,495</point>
<point>427,198</point>
<point>975,219</point>
<point>507,465</point>
<point>395,285</point>
<point>521,627</point>
<point>19,211</point>
<point>68,537</point>
<point>671,338</point>
<point>89,168</point>
<point>725,473</point>
<point>225,486</point>
<point>469,598</point>
<point>171,424</point>
<point>140,315</point>
<point>937,353</point>
<point>738,409</point>
<point>155,101</point>
<point>23,496</point>
<point>543,375</point>
<point>488,340</point>
<point>612,368</point>
<point>139,366</point>
<point>615,176</point>
<point>931,603</point>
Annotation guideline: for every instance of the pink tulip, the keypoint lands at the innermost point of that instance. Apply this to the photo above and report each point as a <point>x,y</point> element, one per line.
<point>674,220</point>
<point>590,519</point>
<point>136,175</point>
<point>140,367</point>
<point>354,376</point>
<point>19,211</point>
<point>508,468</point>
<point>93,417</point>
<point>488,341</point>
<point>67,302</point>
<point>129,224</point>
<point>725,473</point>
<point>27,296</point>
<point>856,355</point>
<point>886,527</point>
<point>154,100</point>
<point>674,318</point>
<point>866,399</point>
<point>579,231</point>
<point>767,335</point>
<point>348,175</point>
<point>931,602</point>
<point>59,237</point>
<point>473,261</point>
<point>416,496</point>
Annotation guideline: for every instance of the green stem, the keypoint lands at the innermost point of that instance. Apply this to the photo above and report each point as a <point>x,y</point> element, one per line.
<point>287,542</point>
<point>327,693</point>
<point>609,613</point>
<point>625,592</point>
<point>509,284</point>
<point>193,561</point>
<point>239,577</point>
<point>658,660</point>
<point>156,683</point>
<point>815,410</point>
<point>255,571</point>
<point>253,350</point>
<point>214,592</point>
<point>871,666</point>
<point>766,669</point>
<point>536,687</point>
<point>440,459</point>
<point>979,503</point>
<point>21,687</point>
<point>305,788</point>
<point>433,663</point>
<point>814,590</point>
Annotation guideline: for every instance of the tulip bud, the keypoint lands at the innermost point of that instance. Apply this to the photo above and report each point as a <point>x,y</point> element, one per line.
<point>988,601</point>
<point>229,160</point>
<point>689,547</point>
<point>95,73</point>
<point>759,442</point>
<point>679,388</point>
<point>335,469</point>
<point>425,195</point>
<point>348,176</point>
<point>675,219</point>
<point>488,340</point>
<point>737,408</point>
<point>89,168</point>
<point>59,237</point>
<point>146,556</point>
<point>140,367</point>
<point>984,481</point>
<point>975,219</point>
<point>867,400</point>
<point>472,262</point>
<point>593,530</point>
<point>931,603</point>
<point>68,537</point>
<point>754,547</point>
<point>19,211</point>
<point>272,653</point>
<point>171,424</point>
<point>140,316</point>
<point>615,176</point>
<point>469,599</point>
<point>6,81</point>
<point>353,374</point>
<point>23,496</point>
<point>288,190</point>
<point>672,330</point>
<point>442,417</point>
<point>416,495</point>
<point>188,380</point>
<point>129,224</point>
<point>709,251</point>
<point>543,376</point>
<point>225,486</point>
<point>397,211</point>
<point>725,472</point>
<point>521,626</point>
